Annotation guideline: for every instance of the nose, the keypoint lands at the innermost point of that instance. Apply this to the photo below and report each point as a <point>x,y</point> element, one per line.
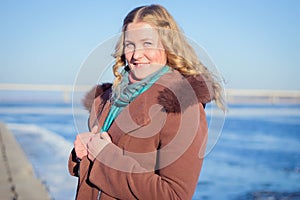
<point>138,53</point>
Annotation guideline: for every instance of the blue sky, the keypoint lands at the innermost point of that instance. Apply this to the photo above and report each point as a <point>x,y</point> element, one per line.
<point>254,43</point>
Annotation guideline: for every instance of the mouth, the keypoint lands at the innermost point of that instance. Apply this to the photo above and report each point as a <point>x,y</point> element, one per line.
<point>140,65</point>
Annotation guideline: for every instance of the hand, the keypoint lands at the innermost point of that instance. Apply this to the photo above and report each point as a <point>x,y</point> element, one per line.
<point>105,136</point>
<point>97,143</point>
<point>80,143</point>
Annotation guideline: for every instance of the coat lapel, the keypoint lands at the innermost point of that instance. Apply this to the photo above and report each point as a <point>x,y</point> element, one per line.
<point>144,115</point>
<point>137,115</point>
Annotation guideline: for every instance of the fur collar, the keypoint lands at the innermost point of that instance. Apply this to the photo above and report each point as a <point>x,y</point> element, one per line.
<point>177,94</point>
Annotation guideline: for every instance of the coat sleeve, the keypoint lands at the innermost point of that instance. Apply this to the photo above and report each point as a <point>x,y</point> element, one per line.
<point>73,164</point>
<point>179,161</point>
<point>93,102</point>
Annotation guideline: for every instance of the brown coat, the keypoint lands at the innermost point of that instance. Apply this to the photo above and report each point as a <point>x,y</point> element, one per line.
<point>158,143</point>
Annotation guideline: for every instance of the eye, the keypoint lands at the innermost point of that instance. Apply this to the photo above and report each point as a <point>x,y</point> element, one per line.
<point>129,45</point>
<point>148,44</point>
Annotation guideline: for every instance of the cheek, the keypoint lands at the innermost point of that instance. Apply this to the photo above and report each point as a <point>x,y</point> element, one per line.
<point>128,56</point>
<point>157,56</point>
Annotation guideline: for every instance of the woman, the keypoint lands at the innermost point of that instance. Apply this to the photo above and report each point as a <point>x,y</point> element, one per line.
<point>148,130</point>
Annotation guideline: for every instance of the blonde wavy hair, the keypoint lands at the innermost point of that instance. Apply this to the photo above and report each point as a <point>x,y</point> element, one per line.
<point>180,55</point>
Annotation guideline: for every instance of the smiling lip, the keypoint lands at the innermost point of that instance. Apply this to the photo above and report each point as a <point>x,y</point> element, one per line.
<point>140,65</point>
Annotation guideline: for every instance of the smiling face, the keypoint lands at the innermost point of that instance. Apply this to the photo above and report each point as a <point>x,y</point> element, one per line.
<point>143,50</point>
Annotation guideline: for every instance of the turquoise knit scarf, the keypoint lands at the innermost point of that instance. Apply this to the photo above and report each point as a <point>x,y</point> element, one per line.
<point>126,93</point>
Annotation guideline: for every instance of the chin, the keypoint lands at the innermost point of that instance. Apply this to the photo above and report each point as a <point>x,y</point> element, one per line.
<point>138,78</point>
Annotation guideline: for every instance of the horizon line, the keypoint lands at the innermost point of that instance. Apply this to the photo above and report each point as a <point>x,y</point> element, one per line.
<point>69,87</point>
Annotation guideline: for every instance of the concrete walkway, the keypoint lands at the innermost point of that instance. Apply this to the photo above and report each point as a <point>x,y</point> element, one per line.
<point>17,179</point>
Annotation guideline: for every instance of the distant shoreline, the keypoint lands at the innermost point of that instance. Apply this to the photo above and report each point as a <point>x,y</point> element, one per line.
<point>263,96</point>
<point>66,94</point>
<point>262,100</point>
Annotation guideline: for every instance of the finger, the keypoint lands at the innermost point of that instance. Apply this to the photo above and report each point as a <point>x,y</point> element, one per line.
<point>89,151</point>
<point>90,156</point>
<point>105,136</point>
<point>95,129</point>
<point>84,137</point>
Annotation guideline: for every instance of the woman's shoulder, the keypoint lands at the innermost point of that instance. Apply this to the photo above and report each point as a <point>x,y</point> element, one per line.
<point>181,91</point>
<point>99,92</point>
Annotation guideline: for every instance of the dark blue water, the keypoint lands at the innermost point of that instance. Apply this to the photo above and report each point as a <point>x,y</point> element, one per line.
<point>257,155</point>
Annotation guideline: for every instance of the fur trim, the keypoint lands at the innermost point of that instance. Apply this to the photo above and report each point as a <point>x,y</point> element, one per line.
<point>174,98</point>
<point>186,92</point>
<point>102,90</point>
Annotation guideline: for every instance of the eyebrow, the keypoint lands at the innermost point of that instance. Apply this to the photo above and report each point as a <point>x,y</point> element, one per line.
<point>144,39</point>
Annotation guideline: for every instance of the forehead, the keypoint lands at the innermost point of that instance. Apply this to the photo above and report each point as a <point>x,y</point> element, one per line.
<point>139,31</point>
